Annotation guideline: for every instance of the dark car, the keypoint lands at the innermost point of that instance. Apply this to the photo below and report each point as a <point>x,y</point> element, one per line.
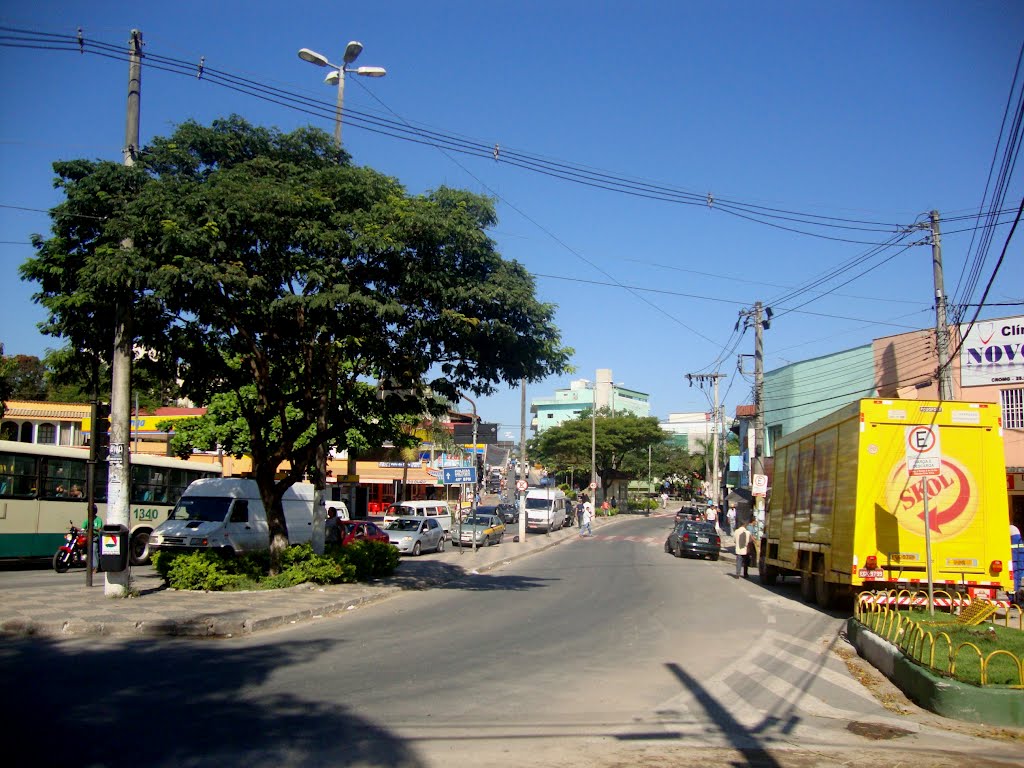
<point>507,512</point>
<point>689,513</point>
<point>691,538</point>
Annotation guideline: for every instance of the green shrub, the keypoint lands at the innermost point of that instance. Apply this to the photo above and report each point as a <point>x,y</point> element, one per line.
<point>371,559</point>
<point>210,571</point>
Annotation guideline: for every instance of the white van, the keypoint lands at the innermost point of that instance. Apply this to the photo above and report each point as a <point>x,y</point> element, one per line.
<point>436,508</point>
<point>226,514</point>
<point>546,509</point>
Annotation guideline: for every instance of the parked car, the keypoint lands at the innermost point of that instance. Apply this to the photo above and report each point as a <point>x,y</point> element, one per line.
<point>413,535</point>
<point>694,539</point>
<point>508,512</point>
<point>484,529</point>
<point>361,530</point>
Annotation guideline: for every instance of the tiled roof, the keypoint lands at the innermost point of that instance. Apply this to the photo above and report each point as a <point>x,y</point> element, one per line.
<point>32,409</point>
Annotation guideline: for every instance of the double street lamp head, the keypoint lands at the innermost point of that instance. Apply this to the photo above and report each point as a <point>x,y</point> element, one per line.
<point>352,51</point>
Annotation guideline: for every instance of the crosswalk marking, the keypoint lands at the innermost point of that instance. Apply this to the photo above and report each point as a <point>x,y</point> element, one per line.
<point>759,694</point>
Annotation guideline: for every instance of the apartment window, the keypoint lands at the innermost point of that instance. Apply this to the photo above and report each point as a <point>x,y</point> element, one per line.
<point>1012,401</point>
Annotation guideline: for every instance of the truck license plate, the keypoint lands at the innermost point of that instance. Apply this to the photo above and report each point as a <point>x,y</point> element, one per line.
<point>864,573</point>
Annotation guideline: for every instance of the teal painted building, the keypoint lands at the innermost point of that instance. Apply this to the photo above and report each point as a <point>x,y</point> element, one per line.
<point>799,393</point>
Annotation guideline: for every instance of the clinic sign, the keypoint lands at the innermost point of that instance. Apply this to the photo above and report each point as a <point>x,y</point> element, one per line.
<point>992,352</point>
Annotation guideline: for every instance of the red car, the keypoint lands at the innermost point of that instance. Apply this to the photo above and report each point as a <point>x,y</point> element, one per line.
<point>361,530</point>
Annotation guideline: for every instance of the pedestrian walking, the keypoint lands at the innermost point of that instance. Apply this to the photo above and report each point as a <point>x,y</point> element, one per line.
<point>730,518</point>
<point>588,517</point>
<point>664,499</point>
<point>742,542</point>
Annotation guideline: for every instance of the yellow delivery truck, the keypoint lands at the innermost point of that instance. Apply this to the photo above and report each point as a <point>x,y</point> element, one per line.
<point>848,492</point>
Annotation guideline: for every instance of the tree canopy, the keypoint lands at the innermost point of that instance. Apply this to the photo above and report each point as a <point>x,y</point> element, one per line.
<point>324,299</point>
<point>616,439</point>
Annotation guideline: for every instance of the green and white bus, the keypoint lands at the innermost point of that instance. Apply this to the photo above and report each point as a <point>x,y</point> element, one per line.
<point>42,488</point>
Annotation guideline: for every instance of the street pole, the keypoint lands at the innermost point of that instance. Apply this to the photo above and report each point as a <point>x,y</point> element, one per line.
<point>522,458</point>
<point>945,374</point>
<point>119,460</point>
<point>339,106</point>
<point>593,446</point>
<point>701,378</point>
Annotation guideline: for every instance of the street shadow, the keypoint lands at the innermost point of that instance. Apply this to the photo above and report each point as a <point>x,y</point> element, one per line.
<point>177,703</point>
<point>746,741</point>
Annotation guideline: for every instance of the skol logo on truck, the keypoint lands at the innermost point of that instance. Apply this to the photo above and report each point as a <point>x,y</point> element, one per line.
<point>952,499</point>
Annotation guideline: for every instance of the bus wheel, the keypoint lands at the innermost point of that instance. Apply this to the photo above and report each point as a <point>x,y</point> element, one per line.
<point>138,547</point>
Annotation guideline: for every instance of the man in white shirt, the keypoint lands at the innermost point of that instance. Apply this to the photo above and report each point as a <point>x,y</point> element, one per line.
<point>588,516</point>
<point>742,542</point>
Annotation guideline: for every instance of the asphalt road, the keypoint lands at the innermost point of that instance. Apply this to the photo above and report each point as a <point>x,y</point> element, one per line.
<point>599,652</point>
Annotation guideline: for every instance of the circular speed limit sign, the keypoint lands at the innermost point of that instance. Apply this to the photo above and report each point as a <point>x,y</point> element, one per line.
<point>522,485</point>
<point>593,486</point>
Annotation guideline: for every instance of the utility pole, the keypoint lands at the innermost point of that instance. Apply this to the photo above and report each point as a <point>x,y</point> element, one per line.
<point>701,378</point>
<point>522,458</point>
<point>119,470</point>
<point>945,374</point>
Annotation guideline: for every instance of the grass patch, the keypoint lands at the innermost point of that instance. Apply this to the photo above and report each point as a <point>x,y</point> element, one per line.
<point>961,651</point>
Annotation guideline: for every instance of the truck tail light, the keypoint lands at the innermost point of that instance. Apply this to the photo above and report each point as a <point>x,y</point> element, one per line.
<point>996,567</point>
<point>871,562</point>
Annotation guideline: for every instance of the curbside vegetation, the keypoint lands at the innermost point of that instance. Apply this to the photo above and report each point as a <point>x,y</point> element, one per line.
<point>214,572</point>
<point>949,644</point>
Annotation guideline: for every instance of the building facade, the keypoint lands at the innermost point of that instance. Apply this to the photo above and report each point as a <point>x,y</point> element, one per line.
<point>582,395</point>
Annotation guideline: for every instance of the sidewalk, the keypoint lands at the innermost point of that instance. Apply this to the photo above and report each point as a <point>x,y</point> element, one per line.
<point>63,606</point>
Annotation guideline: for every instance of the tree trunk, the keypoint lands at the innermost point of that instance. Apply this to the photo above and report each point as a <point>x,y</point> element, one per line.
<point>278,527</point>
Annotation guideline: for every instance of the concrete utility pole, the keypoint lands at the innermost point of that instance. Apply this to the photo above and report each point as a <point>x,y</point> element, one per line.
<point>945,373</point>
<point>119,470</point>
<point>716,492</point>
<point>522,458</point>
<point>760,323</point>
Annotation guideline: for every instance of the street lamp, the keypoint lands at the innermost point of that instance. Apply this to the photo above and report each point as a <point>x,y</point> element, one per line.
<point>472,507</point>
<point>352,51</point>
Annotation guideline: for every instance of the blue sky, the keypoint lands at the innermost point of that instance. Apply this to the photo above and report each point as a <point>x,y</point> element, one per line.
<point>868,111</point>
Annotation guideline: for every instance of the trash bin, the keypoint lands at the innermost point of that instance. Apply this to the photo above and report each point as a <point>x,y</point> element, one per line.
<point>114,547</point>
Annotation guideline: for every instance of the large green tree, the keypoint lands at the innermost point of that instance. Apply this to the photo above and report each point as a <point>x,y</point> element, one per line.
<point>617,439</point>
<point>328,302</point>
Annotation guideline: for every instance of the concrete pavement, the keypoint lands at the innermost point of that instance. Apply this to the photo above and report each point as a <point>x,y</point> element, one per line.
<point>60,605</point>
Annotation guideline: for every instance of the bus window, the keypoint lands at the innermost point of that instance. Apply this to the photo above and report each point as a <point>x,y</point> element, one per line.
<point>18,473</point>
<point>61,477</point>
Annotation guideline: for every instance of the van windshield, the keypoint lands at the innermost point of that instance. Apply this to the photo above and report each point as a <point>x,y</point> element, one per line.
<point>208,509</point>
<point>541,502</point>
<point>401,510</point>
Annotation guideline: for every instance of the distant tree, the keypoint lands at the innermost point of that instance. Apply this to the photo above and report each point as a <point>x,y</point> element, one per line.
<point>6,372</point>
<point>27,378</point>
<point>619,440</point>
<point>318,300</point>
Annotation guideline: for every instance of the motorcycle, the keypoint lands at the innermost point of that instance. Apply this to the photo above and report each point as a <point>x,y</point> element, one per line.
<point>72,553</point>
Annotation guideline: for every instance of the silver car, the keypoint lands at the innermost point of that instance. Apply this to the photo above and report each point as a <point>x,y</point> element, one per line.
<point>413,535</point>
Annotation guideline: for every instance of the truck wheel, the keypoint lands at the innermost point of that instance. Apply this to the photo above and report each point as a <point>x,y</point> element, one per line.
<point>807,586</point>
<point>768,574</point>
<point>824,591</point>
<point>138,547</point>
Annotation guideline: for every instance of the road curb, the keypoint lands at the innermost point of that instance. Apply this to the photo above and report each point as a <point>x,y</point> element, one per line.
<point>943,696</point>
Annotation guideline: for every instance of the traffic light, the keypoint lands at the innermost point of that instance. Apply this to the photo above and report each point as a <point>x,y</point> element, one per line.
<point>101,428</point>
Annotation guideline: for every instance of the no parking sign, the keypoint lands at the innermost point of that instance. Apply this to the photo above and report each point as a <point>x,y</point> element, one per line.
<point>924,453</point>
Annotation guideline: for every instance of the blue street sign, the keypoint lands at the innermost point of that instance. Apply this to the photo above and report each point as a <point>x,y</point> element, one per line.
<point>459,475</point>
